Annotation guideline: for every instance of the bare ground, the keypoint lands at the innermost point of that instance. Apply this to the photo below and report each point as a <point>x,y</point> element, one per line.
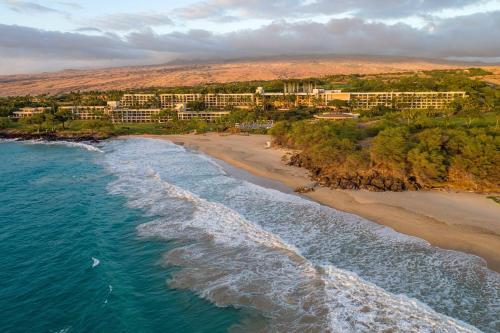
<point>194,74</point>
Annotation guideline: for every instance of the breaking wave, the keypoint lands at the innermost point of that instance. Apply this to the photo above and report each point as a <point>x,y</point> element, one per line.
<point>303,266</point>
<point>82,145</point>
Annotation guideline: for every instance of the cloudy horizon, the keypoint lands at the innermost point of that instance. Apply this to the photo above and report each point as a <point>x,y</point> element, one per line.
<point>38,36</point>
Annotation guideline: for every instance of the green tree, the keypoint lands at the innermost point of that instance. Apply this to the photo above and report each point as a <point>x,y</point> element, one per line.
<point>37,119</point>
<point>5,122</point>
<point>475,161</point>
<point>428,159</point>
<point>409,115</point>
<point>63,116</point>
<point>338,103</point>
<point>196,105</point>
<point>50,121</point>
<point>389,149</point>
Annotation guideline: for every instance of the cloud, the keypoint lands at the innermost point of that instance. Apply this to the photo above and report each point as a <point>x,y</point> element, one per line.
<point>218,10</point>
<point>70,5</point>
<point>463,37</point>
<point>29,7</point>
<point>88,29</point>
<point>126,22</point>
<point>40,44</point>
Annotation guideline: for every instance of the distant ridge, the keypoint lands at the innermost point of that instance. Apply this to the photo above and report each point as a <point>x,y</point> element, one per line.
<point>190,72</point>
<point>353,57</point>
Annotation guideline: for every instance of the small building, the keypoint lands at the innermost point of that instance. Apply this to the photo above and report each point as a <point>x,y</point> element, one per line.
<point>29,112</point>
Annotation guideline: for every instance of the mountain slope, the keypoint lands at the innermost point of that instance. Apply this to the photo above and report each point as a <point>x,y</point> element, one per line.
<point>193,74</point>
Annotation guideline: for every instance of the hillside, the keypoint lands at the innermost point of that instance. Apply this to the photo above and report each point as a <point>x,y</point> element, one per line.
<point>193,74</point>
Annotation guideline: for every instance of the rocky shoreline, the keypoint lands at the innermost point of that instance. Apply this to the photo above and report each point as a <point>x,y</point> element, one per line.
<point>52,136</point>
<point>374,181</point>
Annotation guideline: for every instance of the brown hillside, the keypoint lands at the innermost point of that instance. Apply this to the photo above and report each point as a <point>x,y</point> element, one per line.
<point>193,74</point>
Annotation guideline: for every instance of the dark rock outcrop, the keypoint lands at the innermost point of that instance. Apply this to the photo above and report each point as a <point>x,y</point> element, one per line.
<point>51,136</point>
<point>372,180</point>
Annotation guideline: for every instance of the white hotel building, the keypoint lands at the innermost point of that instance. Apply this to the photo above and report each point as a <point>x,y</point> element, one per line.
<point>140,108</point>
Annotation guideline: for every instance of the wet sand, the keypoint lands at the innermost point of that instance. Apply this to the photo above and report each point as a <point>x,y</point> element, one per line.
<point>465,222</point>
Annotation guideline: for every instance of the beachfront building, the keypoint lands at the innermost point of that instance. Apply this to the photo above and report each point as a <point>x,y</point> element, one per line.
<point>210,101</point>
<point>135,115</point>
<point>118,115</point>
<point>209,116</point>
<point>29,112</point>
<point>144,108</point>
<point>83,112</point>
<point>321,98</point>
<point>404,100</point>
<point>230,101</point>
<point>295,94</point>
<point>139,101</point>
<point>171,101</point>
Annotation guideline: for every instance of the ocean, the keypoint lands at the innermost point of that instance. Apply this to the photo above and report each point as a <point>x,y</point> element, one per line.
<point>142,235</point>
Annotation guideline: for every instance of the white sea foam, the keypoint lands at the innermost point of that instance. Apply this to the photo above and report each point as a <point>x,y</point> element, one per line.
<point>110,290</point>
<point>95,262</point>
<point>82,145</point>
<point>306,267</point>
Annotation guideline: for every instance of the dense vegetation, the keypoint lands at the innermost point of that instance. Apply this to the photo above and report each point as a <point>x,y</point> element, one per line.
<point>386,149</point>
<point>389,154</point>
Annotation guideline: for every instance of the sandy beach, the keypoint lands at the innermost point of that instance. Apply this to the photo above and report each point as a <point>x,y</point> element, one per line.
<point>465,222</point>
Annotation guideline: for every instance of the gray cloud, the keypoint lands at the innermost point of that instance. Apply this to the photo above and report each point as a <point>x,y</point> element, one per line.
<point>466,37</point>
<point>88,29</point>
<point>39,44</point>
<point>126,22</point>
<point>220,9</point>
<point>29,7</point>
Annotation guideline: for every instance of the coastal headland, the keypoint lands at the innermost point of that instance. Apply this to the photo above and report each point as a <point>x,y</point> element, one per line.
<point>460,221</point>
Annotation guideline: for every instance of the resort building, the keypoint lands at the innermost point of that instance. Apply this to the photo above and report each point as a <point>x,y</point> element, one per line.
<point>135,115</point>
<point>87,112</point>
<point>29,112</point>
<point>139,100</point>
<point>210,101</point>
<point>127,115</point>
<point>294,94</point>
<point>321,98</point>
<point>143,108</point>
<point>405,100</point>
<point>209,116</point>
<point>229,101</point>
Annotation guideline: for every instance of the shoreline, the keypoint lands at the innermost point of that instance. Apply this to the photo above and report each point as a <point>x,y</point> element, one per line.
<point>460,221</point>
<point>52,136</point>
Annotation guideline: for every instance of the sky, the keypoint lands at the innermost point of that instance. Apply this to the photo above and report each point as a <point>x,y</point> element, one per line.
<point>43,35</point>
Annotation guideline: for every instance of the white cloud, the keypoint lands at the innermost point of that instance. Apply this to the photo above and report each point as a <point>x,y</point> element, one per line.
<point>217,10</point>
<point>464,37</point>
<point>127,22</point>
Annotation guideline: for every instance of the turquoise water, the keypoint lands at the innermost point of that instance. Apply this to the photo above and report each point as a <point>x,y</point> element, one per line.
<point>55,215</point>
<point>183,245</point>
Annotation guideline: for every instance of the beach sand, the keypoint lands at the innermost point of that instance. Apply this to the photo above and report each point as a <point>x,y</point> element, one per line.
<point>465,222</point>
